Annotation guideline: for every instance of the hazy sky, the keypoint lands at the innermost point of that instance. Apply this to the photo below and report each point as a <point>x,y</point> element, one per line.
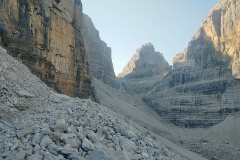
<point>125,25</point>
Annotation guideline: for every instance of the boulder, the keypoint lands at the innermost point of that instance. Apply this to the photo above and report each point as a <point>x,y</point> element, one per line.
<point>87,145</point>
<point>93,137</point>
<point>26,131</point>
<point>35,156</point>
<point>46,141</point>
<point>99,154</point>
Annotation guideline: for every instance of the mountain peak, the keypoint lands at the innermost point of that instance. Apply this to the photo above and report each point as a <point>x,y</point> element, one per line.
<point>145,49</point>
<point>145,63</point>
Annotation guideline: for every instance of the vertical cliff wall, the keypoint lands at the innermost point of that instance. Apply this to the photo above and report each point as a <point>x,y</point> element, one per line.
<point>98,53</point>
<point>217,40</point>
<point>46,36</point>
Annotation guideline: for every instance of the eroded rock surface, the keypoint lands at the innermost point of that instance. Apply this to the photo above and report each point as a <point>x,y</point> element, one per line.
<point>46,36</point>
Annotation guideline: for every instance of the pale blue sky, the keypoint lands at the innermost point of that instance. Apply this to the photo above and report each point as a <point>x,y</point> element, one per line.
<point>127,24</point>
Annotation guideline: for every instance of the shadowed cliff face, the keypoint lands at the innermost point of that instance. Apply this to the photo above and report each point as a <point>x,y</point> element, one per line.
<point>46,36</point>
<point>203,87</point>
<point>98,53</point>
<point>217,38</point>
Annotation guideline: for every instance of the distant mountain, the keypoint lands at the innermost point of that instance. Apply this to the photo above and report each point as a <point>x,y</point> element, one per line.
<point>145,63</point>
<point>204,86</point>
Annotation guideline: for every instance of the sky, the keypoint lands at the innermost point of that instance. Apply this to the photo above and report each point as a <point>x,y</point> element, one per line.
<point>125,25</point>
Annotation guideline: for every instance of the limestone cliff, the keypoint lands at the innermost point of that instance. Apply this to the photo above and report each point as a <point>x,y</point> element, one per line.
<point>204,87</point>
<point>145,63</point>
<point>98,53</point>
<point>46,36</point>
<point>217,40</point>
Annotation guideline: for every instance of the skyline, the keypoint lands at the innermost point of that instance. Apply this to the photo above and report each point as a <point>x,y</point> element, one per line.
<point>168,25</point>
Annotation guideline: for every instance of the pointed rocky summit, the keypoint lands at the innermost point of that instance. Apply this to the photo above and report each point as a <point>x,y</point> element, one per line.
<point>145,63</point>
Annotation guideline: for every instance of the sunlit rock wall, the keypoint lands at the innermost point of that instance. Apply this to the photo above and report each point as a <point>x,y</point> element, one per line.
<point>46,36</point>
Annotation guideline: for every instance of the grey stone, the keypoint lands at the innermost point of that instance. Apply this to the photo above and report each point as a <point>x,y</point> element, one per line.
<point>35,156</point>
<point>55,136</point>
<point>74,143</point>
<point>145,155</point>
<point>24,93</point>
<point>25,140</point>
<point>67,149</point>
<point>57,98</point>
<point>127,144</point>
<point>14,146</point>
<point>62,128</point>
<point>45,141</point>
<point>37,138</point>
<point>37,148</point>
<point>50,157</point>
<point>93,137</point>
<point>75,123</point>
<point>20,154</point>
<point>29,151</point>
<point>75,156</point>
<point>53,149</point>
<point>26,131</point>
<point>5,154</point>
<point>11,156</point>
<point>99,154</point>
<point>87,145</point>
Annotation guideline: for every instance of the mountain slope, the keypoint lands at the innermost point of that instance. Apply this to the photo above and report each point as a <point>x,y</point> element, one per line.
<point>37,123</point>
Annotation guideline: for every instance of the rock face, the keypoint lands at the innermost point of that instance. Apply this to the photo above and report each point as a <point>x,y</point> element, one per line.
<point>204,86</point>
<point>46,36</point>
<point>145,63</point>
<point>217,40</point>
<point>99,54</point>
<point>89,130</point>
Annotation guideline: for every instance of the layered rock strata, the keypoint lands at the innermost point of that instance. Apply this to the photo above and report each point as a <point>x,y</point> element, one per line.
<point>204,86</point>
<point>46,36</point>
